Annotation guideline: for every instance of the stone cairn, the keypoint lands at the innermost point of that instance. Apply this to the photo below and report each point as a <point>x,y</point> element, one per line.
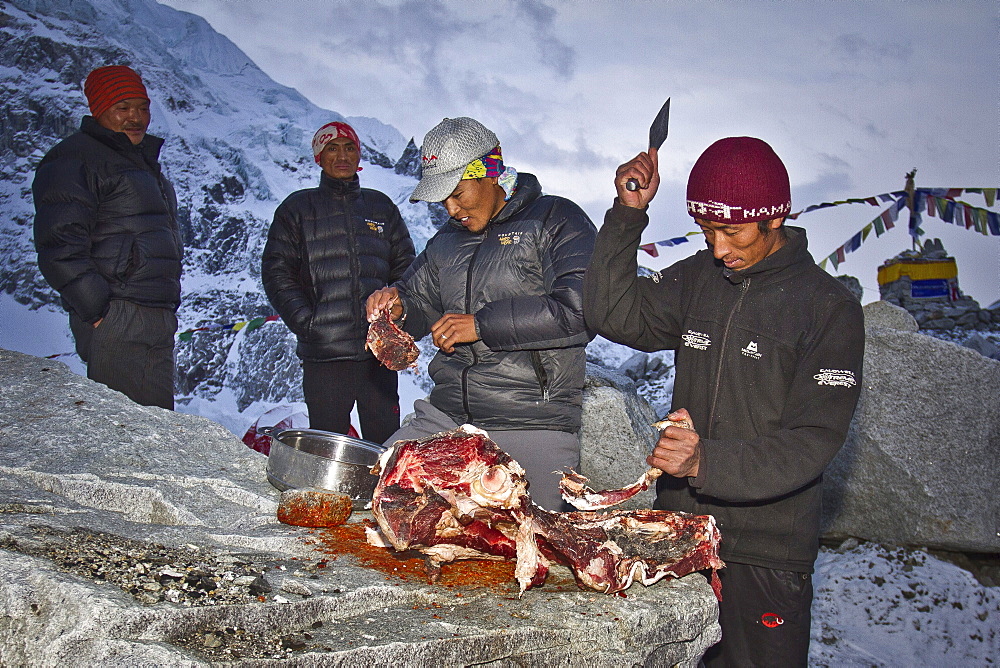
<point>941,312</point>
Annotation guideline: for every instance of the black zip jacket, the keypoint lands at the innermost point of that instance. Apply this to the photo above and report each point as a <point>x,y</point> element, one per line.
<point>522,278</point>
<point>768,364</point>
<point>106,222</point>
<point>327,250</point>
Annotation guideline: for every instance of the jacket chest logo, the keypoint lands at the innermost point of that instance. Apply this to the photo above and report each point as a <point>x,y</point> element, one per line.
<point>750,350</point>
<point>375,226</point>
<point>696,340</point>
<point>509,238</point>
<point>841,377</point>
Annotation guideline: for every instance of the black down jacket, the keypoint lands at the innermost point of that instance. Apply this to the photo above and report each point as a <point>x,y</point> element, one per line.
<point>327,250</point>
<point>522,278</point>
<point>106,222</point>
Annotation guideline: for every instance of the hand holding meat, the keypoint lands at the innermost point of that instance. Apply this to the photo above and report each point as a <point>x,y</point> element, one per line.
<point>678,452</point>
<point>393,347</point>
<point>576,492</point>
<point>644,169</point>
<point>454,328</point>
<point>380,300</point>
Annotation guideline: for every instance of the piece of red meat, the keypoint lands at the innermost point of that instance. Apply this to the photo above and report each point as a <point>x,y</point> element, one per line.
<point>391,346</point>
<point>457,495</point>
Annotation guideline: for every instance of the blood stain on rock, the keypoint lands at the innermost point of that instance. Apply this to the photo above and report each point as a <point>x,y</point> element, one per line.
<point>350,540</point>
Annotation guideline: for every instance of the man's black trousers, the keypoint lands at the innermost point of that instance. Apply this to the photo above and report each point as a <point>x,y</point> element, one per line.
<point>332,388</point>
<point>765,616</point>
<point>131,350</point>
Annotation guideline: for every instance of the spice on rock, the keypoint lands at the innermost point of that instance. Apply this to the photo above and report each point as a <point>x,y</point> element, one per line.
<point>313,508</point>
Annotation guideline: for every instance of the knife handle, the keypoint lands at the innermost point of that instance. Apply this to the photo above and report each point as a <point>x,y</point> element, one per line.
<point>631,185</point>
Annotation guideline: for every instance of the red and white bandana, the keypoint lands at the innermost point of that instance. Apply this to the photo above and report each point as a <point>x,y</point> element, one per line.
<point>328,133</point>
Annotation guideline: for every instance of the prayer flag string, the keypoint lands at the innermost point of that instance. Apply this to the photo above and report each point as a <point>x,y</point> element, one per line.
<point>937,202</point>
<point>247,325</point>
<point>958,212</point>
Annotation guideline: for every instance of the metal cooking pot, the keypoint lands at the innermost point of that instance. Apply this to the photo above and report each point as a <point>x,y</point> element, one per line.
<point>303,458</point>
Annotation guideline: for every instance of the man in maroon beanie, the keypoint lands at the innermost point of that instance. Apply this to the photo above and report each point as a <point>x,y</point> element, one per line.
<point>768,368</point>
<point>108,242</point>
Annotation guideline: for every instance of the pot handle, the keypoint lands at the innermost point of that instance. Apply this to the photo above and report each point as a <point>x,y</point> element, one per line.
<point>266,431</point>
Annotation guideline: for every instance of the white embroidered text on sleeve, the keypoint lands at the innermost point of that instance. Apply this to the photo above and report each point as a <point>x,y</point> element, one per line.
<point>835,377</point>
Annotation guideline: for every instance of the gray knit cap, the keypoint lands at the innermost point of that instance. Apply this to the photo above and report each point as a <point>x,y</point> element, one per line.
<point>447,150</point>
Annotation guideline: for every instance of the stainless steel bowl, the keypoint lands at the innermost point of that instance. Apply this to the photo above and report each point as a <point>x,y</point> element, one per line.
<point>302,458</point>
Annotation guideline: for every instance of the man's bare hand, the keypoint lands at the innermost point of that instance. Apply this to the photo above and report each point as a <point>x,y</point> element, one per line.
<point>678,452</point>
<point>454,328</point>
<point>644,168</point>
<point>384,298</point>
<point>99,321</point>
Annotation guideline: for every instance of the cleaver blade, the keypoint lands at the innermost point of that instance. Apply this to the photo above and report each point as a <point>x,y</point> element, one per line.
<point>657,135</point>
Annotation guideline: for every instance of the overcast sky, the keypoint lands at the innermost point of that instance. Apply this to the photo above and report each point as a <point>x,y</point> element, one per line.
<point>851,95</point>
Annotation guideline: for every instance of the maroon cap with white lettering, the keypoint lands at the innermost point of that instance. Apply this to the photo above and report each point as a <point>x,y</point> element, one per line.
<point>739,180</point>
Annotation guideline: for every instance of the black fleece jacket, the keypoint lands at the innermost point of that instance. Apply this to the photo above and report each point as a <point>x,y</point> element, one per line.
<point>327,250</point>
<point>768,364</point>
<point>106,222</point>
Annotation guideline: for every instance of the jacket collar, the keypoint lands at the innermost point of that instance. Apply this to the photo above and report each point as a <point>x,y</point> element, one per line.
<point>527,190</point>
<point>340,187</point>
<point>794,253</point>
<point>149,147</point>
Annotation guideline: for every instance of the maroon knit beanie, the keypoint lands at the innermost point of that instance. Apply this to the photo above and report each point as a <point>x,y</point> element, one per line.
<point>107,86</point>
<point>739,180</point>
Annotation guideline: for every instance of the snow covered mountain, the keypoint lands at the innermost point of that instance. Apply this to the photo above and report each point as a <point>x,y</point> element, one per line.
<point>237,143</point>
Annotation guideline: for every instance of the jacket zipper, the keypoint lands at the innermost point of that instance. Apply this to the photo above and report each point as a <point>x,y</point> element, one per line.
<point>468,309</point>
<point>722,355</point>
<point>543,378</point>
<point>353,250</point>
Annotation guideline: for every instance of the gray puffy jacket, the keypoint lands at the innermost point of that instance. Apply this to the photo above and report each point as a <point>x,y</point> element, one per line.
<point>522,278</point>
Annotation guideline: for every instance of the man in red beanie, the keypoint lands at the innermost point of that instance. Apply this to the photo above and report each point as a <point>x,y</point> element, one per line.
<point>768,368</point>
<point>107,240</point>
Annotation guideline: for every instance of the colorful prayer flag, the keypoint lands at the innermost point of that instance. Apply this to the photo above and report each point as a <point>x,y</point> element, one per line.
<point>854,243</point>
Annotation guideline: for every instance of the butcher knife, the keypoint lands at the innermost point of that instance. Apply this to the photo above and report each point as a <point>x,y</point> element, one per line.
<point>657,135</point>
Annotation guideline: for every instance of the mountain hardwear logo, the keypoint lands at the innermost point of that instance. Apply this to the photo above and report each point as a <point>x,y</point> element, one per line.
<point>696,340</point>
<point>375,226</point>
<point>751,350</point>
<point>840,377</point>
<point>509,238</point>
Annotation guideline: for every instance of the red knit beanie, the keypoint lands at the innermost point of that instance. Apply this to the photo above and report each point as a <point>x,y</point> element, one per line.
<point>739,180</point>
<point>107,86</point>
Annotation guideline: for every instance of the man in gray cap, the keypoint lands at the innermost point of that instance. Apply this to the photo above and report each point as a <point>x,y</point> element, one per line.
<point>499,290</point>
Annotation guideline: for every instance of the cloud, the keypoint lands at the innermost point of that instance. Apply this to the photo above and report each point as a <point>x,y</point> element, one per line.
<point>555,53</point>
<point>855,47</point>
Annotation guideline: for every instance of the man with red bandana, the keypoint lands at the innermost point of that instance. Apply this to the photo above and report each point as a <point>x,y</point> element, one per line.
<point>768,360</point>
<point>108,242</point>
<point>328,249</point>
